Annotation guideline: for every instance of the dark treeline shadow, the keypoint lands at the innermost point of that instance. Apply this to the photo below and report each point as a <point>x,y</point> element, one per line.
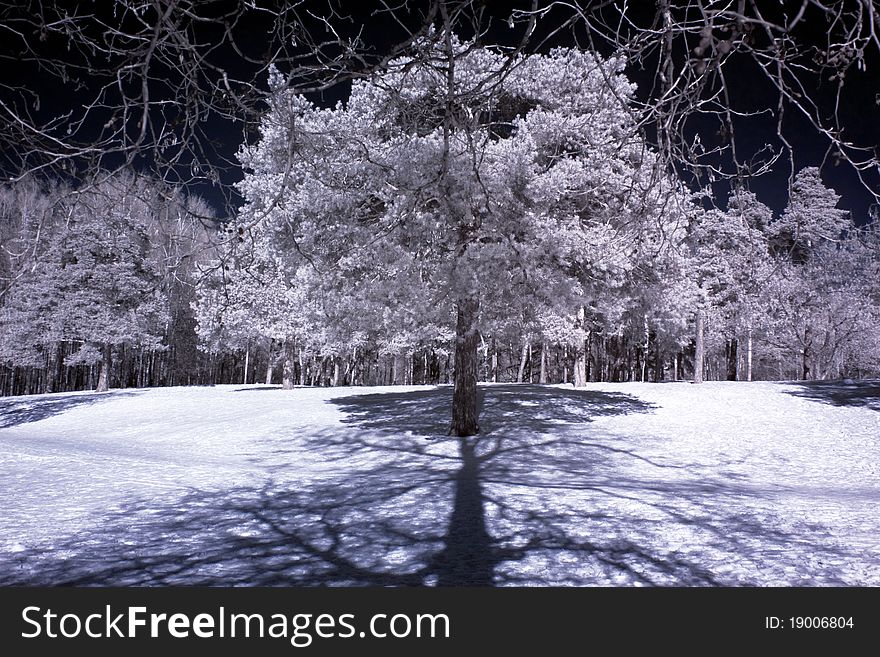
<point>846,392</point>
<point>18,410</point>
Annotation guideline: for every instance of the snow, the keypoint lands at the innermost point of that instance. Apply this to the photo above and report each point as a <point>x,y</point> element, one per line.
<point>613,485</point>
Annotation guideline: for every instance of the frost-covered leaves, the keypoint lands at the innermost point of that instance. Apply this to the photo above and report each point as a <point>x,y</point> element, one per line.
<point>730,252</point>
<point>94,280</point>
<point>811,219</point>
<point>825,312</point>
<point>522,182</point>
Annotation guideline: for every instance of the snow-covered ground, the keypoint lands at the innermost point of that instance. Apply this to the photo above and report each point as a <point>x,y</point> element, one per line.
<point>616,484</point>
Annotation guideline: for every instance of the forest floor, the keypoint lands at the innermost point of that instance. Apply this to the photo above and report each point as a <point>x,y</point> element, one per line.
<point>760,484</point>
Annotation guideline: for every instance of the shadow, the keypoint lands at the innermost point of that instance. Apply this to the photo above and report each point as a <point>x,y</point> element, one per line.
<point>260,389</point>
<point>33,408</point>
<point>538,499</point>
<point>502,408</point>
<point>840,393</point>
<point>467,558</point>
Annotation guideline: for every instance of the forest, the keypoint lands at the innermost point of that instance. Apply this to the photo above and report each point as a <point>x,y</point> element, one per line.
<point>465,207</point>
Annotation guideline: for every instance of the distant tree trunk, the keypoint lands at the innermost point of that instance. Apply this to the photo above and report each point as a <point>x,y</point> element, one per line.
<point>104,376</point>
<point>464,396</point>
<point>288,375</point>
<point>531,365</point>
<point>354,367</point>
<point>269,362</point>
<point>675,367</point>
<point>522,362</point>
<point>247,359</point>
<point>699,356</point>
<point>315,371</point>
<point>580,367</point>
<point>749,356</point>
<point>55,370</point>
<point>565,363</point>
<point>335,380</point>
<point>346,375</point>
<point>645,345</point>
<point>398,374</point>
<point>732,348</point>
<point>580,354</point>
<point>806,366</point>
<point>494,362</point>
<point>543,378</point>
<point>50,370</point>
<point>589,363</point>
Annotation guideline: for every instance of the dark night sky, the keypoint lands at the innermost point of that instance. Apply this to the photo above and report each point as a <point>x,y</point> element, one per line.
<point>748,91</point>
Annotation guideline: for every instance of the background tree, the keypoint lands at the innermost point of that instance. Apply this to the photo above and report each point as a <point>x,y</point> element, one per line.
<point>95,286</point>
<point>99,268</point>
<point>730,264</point>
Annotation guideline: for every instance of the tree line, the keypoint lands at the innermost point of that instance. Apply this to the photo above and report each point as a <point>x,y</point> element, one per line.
<point>465,215</point>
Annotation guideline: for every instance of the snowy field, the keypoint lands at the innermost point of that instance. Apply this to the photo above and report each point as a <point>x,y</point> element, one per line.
<point>614,485</point>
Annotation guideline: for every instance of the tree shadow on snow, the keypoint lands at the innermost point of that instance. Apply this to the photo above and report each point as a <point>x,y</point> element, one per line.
<point>538,498</point>
<point>520,407</point>
<point>21,410</point>
<point>840,393</point>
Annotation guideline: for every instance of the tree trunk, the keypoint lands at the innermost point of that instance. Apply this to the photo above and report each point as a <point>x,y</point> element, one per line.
<point>354,367</point>
<point>494,362</point>
<point>543,378</point>
<point>806,368</point>
<point>749,357</point>
<point>288,376</point>
<point>50,370</point>
<point>699,355</point>
<point>580,368</point>
<point>335,381</point>
<point>464,396</point>
<point>395,370</point>
<point>565,364</point>
<point>269,362</point>
<point>732,348</point>
<point>589,369</point>
<point>580,355</point>
<point>522,362</point>
<point>658,363</point>
<point>531,365</point>
<point>104,376</point>
<point>55,370</point>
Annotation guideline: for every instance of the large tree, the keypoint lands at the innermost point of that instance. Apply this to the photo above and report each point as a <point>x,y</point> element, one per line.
<point>466,182</point>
